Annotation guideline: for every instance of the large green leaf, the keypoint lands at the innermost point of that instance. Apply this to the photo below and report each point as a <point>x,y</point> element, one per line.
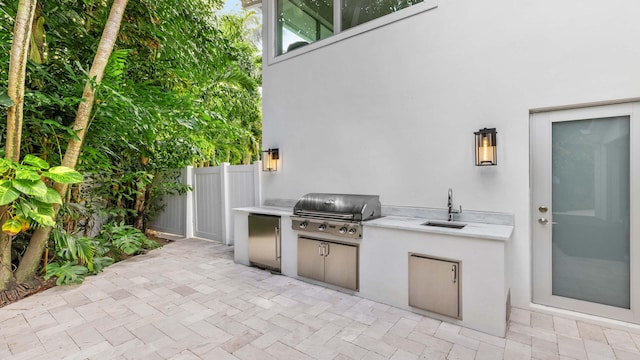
<point>43,219</point>
<point>29,187</point>
<point>43,213</point>
<point>23,174</point>
<point>100,263</point>
<point>67,273</point>
<point>65,245</point>
<point>63,175</point>
<point>7,192</point>
<point>86,251</point>
<point>35,161</point>
<point>51,197</point>
<point>5,164</point>
<point>24,208</point>
<point>5,100</point>
<point>12,226</point>
<point>128,239</point>
<point>43,208</point>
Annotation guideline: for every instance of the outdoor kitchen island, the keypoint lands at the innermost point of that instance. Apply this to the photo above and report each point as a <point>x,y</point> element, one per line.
<point>477,252</point>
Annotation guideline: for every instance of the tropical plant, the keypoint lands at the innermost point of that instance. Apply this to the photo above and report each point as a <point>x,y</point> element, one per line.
<point>75,257</point>
<point>126,238</point>
<point>23,180</point>
<point>25,195</point>
<point>179,88</point>
<point>66,273</point>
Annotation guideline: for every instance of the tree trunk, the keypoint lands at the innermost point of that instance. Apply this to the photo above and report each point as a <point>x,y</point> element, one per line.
<point>139,207</point>
<point>6,273</point>
<point>29,264</point>
<point>15,90</point>
<point>17,69</point>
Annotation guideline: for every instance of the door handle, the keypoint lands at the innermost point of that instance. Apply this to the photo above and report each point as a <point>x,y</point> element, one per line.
<point>544,221</point>
<point>454,273</point>
<point>543,209</point>
<point>277,238</point>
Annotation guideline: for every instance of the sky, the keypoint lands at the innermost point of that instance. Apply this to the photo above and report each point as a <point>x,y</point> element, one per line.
<point>232,6</point>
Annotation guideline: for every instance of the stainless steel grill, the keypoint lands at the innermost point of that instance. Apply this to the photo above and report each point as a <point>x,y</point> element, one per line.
<point>336,214</point>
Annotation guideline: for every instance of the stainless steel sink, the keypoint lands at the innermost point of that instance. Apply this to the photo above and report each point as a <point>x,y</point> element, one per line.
<point>445,224</point>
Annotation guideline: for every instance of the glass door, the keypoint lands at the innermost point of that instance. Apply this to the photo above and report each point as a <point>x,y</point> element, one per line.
<point>583,199</point>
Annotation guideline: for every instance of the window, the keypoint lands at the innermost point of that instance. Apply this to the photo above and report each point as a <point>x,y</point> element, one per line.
<point>356,12</point>
<point>302,22</point>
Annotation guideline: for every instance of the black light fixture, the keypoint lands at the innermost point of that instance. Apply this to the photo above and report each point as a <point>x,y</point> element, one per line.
<point>486,147</point>
<point>270,160</point>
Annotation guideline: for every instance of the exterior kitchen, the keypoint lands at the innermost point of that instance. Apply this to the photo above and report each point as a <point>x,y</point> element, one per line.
<point>453,158</point>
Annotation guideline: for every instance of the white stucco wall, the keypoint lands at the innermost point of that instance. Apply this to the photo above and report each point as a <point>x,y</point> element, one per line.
<point>392,111</point>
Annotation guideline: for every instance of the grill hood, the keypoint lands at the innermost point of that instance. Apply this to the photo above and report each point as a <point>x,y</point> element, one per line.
<point>339,206</point>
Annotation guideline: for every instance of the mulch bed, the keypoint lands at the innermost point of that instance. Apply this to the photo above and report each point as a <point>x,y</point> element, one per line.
<point>22,290</point>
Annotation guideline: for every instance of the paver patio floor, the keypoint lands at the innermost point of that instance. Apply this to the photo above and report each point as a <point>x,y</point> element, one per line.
<point>189,300</point>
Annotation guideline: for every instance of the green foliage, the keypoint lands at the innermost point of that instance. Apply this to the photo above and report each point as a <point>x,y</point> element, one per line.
<point>126,238</point>
<point>167,182</point>
<point>63,174</point>
<point>66,273</point>
<point>5,100</point>
<point>72,248</point>
<point>28,197</point>
<point>75,257</point>
<point>99,263</point>
<point>181,88</point>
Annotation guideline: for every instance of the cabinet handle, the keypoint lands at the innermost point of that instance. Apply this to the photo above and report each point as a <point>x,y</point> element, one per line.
<point>277,237</point>
<point>326,248</point>
<point>320,250</point>
<point>454,273</point>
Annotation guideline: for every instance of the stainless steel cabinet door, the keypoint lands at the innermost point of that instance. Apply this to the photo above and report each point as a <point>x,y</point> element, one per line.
<point>310,259</point>
<point>341,265</point>
<point>434,285</point>
<point>264,241</point>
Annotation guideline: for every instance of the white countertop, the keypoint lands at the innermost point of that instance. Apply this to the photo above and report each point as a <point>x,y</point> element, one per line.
<point>267,210</point>
<point>474,230</point>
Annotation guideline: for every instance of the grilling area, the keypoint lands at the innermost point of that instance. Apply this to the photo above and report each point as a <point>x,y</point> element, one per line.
<point>390,254</point>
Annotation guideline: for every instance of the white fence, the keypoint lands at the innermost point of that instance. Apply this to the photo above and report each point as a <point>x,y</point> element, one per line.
<point>206,212</point>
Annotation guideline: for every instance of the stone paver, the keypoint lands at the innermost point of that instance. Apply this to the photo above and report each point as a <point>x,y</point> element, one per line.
<point>189,300</point>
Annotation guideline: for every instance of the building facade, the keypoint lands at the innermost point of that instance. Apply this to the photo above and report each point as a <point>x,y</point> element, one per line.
<point>386,101</point>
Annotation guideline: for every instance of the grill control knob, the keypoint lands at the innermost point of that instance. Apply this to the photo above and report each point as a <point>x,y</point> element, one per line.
<point>322,227</point>
<point>303,225</point>
<point>343,230</point>
<point>352,231</point>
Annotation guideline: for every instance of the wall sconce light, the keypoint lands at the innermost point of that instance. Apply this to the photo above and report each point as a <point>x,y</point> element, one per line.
<point>270,160</point>
<point>486,147</point>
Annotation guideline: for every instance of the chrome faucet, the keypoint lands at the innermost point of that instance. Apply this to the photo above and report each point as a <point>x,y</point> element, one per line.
<point>450,205</point>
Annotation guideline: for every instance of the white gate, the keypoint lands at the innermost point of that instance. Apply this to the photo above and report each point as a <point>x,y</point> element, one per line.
<point>172,219</point>
<point>206,212</point>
